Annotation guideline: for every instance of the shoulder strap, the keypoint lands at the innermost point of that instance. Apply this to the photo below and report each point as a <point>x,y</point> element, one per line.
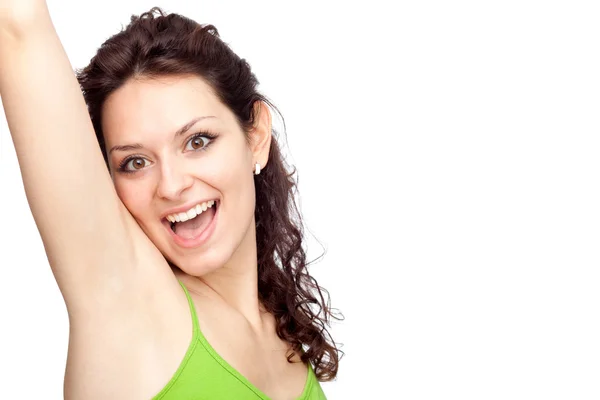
<point>192,309</point>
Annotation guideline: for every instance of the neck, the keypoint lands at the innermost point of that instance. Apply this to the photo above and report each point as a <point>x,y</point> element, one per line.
<point>236,282</point>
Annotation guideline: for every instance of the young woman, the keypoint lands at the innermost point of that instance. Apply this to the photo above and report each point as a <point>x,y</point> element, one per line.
<point>172,232</point>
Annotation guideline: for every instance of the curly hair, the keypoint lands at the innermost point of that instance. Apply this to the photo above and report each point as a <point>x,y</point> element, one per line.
<point>159,44</point>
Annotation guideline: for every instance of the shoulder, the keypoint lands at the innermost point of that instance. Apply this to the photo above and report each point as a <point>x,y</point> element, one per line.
<point>131,345</point>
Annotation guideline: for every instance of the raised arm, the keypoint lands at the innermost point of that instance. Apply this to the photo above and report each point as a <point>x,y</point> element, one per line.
<point>83,224</point>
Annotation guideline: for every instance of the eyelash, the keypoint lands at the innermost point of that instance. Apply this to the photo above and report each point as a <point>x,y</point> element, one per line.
<point>202,134</point>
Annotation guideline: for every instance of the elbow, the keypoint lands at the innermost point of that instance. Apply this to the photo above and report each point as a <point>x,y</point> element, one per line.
<point>25,18</point>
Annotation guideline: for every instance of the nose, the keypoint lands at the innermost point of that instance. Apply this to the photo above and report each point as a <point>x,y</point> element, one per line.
<point>173,181</point>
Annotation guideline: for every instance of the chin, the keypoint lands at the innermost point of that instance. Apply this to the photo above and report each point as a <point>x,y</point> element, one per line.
<point>198,265</point>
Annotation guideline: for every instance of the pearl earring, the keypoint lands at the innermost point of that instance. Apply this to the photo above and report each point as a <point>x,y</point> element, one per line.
<point>257,169</point>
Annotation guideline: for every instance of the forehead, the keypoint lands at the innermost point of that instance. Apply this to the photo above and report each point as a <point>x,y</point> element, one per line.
<point>146,107</point>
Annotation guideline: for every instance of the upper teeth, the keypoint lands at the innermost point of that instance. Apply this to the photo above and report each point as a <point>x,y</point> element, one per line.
<point>191,213</point>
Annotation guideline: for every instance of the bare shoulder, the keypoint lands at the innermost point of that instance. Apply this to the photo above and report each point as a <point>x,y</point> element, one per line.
<point>129,344</point>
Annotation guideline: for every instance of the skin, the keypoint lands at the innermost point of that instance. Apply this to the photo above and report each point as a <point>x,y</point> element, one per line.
<point>129,321</point>
<point>148,112</point>
<point>170,171</point>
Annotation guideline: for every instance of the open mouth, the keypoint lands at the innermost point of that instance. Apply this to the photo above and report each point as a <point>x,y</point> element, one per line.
<point>193,224</point>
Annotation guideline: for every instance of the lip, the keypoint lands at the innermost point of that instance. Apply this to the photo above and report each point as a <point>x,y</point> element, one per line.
<point>184,208</point>
<point>200,239</point>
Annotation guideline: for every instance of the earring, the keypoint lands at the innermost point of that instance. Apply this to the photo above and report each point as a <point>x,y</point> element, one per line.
<point>257,169</point>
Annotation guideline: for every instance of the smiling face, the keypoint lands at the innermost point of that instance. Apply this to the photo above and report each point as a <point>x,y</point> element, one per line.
<point>172,146</point>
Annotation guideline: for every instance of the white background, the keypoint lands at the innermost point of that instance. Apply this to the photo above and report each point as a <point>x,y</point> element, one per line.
<point>448,155</point>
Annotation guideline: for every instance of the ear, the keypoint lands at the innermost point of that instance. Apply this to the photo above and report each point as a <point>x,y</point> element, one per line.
<point>260,135</point>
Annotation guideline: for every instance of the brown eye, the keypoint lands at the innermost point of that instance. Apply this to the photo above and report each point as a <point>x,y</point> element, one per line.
<point>199,141</point>
<point>138,163</point>
<point>133,164</point>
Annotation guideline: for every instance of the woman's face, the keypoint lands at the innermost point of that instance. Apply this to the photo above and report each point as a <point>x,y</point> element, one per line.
<point>172,146</point>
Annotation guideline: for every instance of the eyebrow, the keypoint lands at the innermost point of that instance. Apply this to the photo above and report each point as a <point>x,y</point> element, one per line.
<point>178,133</point>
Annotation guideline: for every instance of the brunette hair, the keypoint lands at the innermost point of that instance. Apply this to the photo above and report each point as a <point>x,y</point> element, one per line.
<point>158,44</point>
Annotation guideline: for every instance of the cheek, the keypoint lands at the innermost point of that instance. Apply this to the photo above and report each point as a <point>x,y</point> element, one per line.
<point>230,168</point>
<point>233,177</point>
<point>132,196</point>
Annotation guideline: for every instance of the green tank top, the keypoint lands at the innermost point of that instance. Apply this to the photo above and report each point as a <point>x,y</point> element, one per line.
<point>205,375</point>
